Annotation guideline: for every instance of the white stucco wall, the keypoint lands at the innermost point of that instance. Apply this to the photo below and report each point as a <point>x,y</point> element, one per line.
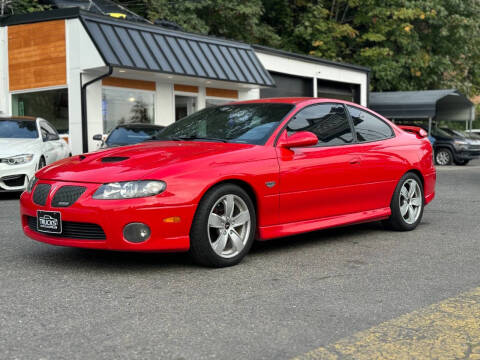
<point>293,66</point>
<point>4,94</point>
<point>82,55</point>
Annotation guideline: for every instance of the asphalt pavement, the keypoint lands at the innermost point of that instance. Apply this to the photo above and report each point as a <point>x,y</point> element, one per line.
<point>287,297</point>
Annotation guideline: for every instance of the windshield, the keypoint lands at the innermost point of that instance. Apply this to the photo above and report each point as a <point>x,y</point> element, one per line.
<point>18,129</point>
<point>440,132</point>
<point>244,123</point>
<point>129,135</point>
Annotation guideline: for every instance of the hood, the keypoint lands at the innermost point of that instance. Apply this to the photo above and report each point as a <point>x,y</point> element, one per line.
<point>134,162</point>
<point>12,147</point>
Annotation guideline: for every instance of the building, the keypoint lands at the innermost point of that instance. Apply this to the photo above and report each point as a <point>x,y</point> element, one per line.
<point>425,106</point>
<point>86,73</point>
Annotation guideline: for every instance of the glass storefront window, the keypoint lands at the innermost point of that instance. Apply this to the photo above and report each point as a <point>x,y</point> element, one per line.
<point>184,106</point>
<point>216,102</point>
<point>126,106</point>
<point>52,105</point>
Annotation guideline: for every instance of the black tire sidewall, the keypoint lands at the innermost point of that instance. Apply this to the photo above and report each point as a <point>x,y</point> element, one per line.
<point>200,247</point>
<point>396,220</point>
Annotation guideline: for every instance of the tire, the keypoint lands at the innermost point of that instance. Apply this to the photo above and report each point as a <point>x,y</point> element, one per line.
<point>41,163</point>
<point>399,219</point>
<point>461,162</point>
<point>215,241</point>
<point>443,157</point>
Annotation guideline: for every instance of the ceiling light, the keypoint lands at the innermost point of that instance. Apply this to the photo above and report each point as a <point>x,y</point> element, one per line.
<point>131,99</point>
<point>122,71</point>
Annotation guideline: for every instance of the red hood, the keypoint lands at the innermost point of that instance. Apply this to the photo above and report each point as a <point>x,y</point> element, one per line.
<point>141,161</point>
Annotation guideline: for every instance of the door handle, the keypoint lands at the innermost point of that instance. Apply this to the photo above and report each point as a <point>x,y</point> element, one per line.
<point>355,161</point>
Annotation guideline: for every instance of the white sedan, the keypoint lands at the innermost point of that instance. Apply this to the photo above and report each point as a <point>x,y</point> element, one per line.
<point>26,145</point>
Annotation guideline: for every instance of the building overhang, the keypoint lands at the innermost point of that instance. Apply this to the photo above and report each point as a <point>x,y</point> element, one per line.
<point>146,47</point>
<point>449,104</point>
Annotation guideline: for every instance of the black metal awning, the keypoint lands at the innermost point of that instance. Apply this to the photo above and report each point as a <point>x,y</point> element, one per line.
<point>152,48</point>
<point>440,105</point>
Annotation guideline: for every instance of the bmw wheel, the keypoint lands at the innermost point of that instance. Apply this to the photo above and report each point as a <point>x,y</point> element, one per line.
<point>224,226</point>
<point>407,204</point>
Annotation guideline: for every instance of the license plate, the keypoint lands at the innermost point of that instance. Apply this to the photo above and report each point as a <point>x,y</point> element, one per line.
<point>49,222</point>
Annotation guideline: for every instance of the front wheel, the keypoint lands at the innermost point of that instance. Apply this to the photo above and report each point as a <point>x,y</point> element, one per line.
<point>407,204</point>
<point>224,226</point>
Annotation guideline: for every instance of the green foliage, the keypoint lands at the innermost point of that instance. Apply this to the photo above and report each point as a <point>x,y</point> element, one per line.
<point>408,44</point>
<point>22,6</point>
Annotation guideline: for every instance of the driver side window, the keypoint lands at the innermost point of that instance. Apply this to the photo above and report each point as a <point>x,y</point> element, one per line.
<point>328,121</point>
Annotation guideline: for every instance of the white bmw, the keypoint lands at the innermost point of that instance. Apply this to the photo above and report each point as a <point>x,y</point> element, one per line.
<point>26,145</point>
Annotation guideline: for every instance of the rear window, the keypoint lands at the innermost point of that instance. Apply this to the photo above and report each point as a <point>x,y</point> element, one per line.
<point>18,129</point>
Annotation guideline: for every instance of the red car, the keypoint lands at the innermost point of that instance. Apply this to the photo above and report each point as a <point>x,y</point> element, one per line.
<point>216,180</point>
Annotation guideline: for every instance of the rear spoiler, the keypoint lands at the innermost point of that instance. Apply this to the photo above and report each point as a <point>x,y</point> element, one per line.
<point>421,133</point>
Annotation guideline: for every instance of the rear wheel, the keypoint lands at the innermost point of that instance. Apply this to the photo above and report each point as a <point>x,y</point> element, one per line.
<point>407,204</point>
<point>224,226</point>
<point>461,162</point>
<point>443,156</point>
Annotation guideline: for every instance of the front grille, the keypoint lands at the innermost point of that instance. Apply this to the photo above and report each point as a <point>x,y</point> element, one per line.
<point>14,180</point>
<point>67,195</point>
<point>72,230</point>
<point>474,147</point>
<point>41,194</point>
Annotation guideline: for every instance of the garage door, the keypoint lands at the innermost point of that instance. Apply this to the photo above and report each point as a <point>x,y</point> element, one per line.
<point>288,86</point>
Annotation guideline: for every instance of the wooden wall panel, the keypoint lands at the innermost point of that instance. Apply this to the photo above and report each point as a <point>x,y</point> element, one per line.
<point>129,83</point>
<point>37,55</point>
<point>224,93</point>
<point>185,88</point>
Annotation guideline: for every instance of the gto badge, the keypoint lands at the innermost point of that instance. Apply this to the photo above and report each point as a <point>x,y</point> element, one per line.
<point>270,184</point>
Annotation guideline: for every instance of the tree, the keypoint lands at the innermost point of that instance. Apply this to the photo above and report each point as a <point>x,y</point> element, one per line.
<point>20,6</point>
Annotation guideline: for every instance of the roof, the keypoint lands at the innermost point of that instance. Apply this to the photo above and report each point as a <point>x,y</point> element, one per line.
<point>448,104</point>
<point>310,58</point>
<point>140,46</point>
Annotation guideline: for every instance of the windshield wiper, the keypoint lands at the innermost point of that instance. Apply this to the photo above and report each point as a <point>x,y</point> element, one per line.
<point>194,137</point>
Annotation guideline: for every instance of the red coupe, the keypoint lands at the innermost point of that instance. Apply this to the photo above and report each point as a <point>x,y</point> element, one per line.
<point>216,180</point>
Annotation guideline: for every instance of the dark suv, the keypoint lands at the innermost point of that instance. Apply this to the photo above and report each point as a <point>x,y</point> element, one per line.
<point>451,147</point>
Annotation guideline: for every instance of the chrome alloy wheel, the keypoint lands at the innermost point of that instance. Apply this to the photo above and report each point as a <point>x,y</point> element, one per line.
<point>410,201</point>
<point>229,226</point>
<point>443,158</point>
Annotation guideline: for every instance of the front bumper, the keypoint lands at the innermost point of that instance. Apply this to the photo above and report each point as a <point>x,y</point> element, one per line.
<point>16,177</point>
<point>467,154</point>
<point>112,216</point>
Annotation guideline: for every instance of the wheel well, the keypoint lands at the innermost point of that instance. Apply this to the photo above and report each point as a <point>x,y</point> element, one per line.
<point>419,174</point>
<point>244,185</point>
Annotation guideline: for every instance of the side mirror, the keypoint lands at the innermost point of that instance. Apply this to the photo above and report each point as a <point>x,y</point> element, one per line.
<point>98,137</point>
<point>300,139</point>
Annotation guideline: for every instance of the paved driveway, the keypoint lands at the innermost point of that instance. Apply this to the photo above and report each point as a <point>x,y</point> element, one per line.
<point>288,297</point>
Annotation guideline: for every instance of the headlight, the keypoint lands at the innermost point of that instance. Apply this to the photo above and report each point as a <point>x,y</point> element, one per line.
<point>129,189</point>
<point>18,159</point>
<point>460,144</point>
<point>31,184</point>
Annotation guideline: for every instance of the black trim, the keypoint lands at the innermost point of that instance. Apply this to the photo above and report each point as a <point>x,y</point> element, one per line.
<point>310,58</point>
<point>39,16</point>
<point>84,107</point>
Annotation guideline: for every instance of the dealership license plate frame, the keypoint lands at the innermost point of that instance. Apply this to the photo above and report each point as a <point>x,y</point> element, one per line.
<point>53,214</point>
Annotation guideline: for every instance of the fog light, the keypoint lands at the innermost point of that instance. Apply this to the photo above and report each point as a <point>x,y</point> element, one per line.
<point>136,232</point>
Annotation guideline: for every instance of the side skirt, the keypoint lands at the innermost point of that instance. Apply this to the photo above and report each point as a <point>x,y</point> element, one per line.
<point>275,231</point>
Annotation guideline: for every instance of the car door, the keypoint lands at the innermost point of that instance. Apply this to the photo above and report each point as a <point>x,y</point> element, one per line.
<point>321,180</point>
<point>52,145</point>
<point>381,167</point>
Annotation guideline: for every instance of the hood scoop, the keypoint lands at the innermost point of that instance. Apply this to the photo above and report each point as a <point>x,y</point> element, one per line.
<point>113,159</point>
